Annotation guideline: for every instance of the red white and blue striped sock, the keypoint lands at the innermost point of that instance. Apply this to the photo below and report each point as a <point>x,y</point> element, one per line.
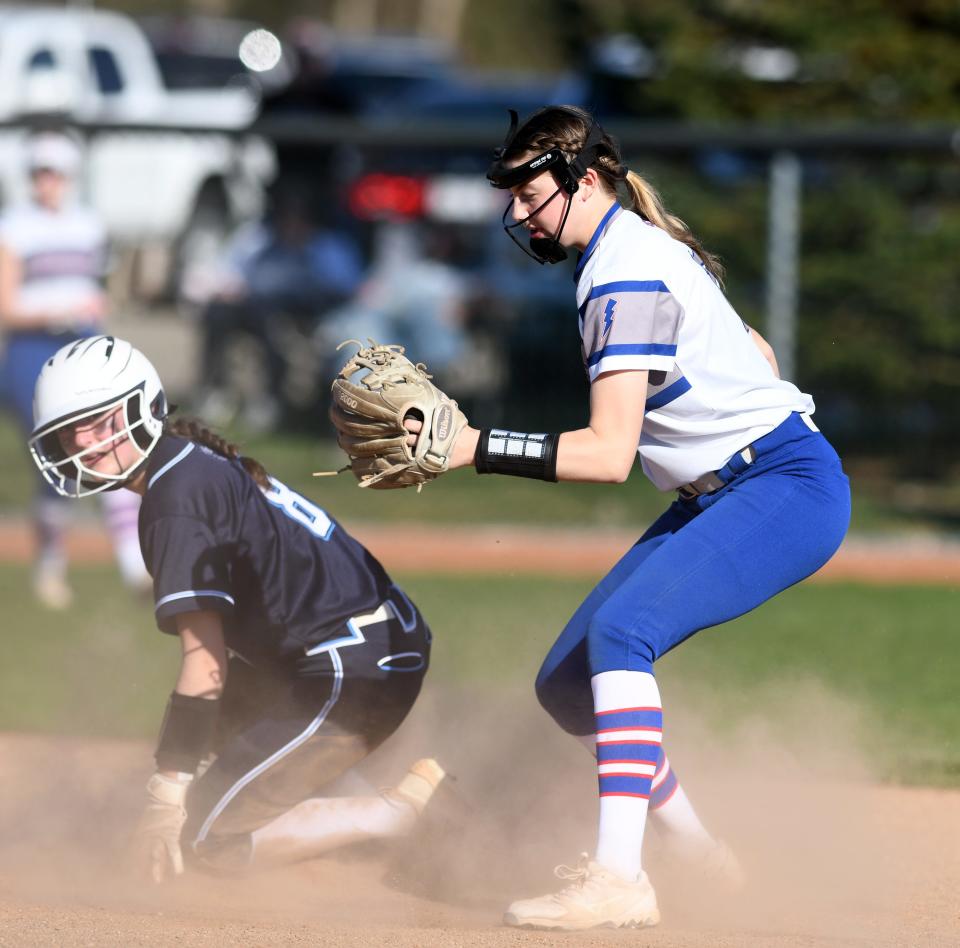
<point>664,784</point>
<point>629,721</point>
<point>671,808</point>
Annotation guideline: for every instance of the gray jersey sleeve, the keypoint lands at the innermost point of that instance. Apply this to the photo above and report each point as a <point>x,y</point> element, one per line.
<point>631,324</point>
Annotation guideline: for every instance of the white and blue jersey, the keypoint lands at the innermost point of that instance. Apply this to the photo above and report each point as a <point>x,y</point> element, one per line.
<point>286,578</point>
<point>646,302</point>
<point>62,255</point>
<point>62,258</point>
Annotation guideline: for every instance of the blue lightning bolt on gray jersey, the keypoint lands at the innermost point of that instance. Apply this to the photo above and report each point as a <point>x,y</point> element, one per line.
<point>283,574</point>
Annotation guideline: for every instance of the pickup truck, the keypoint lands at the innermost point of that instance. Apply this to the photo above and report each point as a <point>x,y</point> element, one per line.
<point>170,172</point>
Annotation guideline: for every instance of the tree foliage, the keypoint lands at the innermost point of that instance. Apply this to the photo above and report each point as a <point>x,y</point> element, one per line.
<point>880,268</point>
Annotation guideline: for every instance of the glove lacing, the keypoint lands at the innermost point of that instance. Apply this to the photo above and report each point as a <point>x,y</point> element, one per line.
<point>382,359</point>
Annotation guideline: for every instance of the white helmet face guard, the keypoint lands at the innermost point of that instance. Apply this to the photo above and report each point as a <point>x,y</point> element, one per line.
<point>67,473</point>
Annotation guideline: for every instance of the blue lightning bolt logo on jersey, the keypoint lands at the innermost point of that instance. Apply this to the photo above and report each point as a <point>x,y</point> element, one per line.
<point>608,316</point>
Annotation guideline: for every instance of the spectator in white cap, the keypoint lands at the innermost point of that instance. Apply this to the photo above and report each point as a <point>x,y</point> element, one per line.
<point>52,264</point>
<point>53,152</point>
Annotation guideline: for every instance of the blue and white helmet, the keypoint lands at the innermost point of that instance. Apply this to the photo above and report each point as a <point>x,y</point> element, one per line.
<point>82,381</point>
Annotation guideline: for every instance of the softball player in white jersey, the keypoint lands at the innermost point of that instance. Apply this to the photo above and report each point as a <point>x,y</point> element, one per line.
<point>52,263</point>
<point>677,376</point>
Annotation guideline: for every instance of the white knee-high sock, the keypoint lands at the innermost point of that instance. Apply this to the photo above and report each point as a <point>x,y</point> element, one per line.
<point>317,826</point>
<point>629,721</point>
<point>50,516</point>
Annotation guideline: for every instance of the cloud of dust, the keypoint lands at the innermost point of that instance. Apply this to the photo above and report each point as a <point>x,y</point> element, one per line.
<point>791,788</point>
<point>788,787</point>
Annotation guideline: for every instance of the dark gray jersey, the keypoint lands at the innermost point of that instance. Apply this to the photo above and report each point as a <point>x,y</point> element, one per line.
<point>284,575</point>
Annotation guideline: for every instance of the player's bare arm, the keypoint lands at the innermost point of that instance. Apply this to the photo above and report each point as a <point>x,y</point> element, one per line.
<point>203,669</point>
<point>11,275</point>
<point>601,453</point>
<point>156,852</point>
<point>604,451</point>
<point>766,350</point>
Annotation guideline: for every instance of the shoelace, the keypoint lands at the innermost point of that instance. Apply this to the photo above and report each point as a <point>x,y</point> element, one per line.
<point>574,875</point>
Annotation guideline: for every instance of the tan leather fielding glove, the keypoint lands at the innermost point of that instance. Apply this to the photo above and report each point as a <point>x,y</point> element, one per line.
<point>372,394</point>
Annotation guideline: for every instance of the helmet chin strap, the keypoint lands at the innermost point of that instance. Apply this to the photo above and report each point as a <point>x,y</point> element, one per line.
<point>542,249</point>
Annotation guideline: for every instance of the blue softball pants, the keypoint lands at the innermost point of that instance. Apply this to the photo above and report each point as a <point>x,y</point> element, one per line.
<point>703,562</point>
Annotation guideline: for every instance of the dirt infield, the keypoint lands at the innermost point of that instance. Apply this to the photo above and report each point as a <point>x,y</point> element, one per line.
<point>499,549</point>
<point>832,862</point>
<point>833,857</point>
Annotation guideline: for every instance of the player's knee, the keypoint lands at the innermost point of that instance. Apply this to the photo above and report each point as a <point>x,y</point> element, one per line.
<point>613,645</point>
<point>569,704</point>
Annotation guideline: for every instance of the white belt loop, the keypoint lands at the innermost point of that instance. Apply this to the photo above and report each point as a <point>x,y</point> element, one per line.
<point>705,484</point>
<point>710,482</point>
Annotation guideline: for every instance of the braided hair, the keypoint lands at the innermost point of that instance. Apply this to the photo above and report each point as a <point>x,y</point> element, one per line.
<point>566,127</point>
<point>196,431</point>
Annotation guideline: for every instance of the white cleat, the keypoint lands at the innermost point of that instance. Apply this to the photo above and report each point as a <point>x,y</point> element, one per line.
<point>708,861</point>
<point>430,862</point>
<point>594,898</point>
<point>720,865</point>
<point>52,590</point>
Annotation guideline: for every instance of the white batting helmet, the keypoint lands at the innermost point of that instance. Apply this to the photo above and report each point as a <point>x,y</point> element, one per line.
<point>83,380</point>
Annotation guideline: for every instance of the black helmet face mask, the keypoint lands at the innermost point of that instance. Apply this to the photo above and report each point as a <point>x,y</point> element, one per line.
<point>567,175</point>
<point>541,249</point>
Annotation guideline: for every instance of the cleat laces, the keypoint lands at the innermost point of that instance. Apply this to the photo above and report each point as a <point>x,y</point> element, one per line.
<point>574,876</point>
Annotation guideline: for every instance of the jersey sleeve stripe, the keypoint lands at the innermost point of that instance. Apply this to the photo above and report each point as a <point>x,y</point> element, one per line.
<point>646,348</point>
<point>623,286</point>
<point>669,394</point>
<point>629,286</point>
<point>195,594</point>
<point>171,463</point>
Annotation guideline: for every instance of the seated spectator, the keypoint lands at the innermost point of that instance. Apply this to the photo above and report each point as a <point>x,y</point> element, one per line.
<point>285,269</point>
<point>414,296</point>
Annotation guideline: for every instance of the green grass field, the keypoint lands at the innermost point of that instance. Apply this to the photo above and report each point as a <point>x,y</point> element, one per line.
<point>879,504</point>
<point>890,654</point>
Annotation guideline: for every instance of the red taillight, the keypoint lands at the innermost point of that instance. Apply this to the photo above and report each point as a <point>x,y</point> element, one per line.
<point>386,195</point>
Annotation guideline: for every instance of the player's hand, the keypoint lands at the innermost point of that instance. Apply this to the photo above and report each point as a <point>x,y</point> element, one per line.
<point>92,309</point>
<point>464,447</point>
<point>155,849</point>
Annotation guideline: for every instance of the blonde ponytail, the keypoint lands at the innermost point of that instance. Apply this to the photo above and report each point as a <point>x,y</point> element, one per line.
<point>645,201</point>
